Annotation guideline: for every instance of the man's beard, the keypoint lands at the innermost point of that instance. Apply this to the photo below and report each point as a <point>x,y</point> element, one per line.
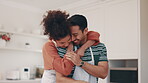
<point>76,43</point>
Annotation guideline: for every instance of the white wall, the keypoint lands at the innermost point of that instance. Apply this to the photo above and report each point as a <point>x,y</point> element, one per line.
<point>12,17</point>
<point>16,17</point>
<point>144,39</point>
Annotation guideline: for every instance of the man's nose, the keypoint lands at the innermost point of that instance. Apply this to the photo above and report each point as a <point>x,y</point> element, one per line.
<point>73,38</point>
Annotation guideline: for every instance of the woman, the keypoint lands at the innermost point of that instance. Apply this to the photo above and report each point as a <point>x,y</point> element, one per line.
<point>57,28</point>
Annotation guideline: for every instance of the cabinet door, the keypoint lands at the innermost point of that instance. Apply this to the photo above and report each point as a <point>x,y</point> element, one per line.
<point>121,29</point>
<point>95,18</point>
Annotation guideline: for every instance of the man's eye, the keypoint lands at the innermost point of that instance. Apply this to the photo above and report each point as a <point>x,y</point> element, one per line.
<point>75,35</point>
<point>62,43</point>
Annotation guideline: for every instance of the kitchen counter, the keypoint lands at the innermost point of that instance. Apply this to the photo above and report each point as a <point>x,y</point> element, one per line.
<point>21,81</point>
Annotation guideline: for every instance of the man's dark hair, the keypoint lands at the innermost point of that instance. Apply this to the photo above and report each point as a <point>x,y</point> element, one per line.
<point>78,20</point>
<point>55,24</point>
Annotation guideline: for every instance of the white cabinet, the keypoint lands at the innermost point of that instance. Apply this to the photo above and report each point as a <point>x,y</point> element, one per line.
<point>117,22</point>
<point>96,22</point>
<point>121,29</point>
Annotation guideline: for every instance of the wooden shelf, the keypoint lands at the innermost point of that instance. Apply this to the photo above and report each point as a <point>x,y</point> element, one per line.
<point>125,68</point>
<point>20,49</point>
<point>25,34</point>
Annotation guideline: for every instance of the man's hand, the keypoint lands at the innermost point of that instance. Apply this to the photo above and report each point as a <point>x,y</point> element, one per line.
<point>75,58</point>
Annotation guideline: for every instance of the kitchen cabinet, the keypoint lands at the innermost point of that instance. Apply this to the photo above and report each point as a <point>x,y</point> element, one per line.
<point>121,29</point>
<point>117,23</point>
<point>96,22</point>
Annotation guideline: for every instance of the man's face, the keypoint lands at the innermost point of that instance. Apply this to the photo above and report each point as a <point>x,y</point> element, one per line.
<point>64,42</point>
<point>77,34</point>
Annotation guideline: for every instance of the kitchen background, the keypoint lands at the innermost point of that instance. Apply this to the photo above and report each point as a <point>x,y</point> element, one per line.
<point>121,23</point>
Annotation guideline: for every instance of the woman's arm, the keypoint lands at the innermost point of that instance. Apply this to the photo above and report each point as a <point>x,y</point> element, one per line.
<point>53,61</point>
<point>92,39</point>
<point>94,36</point>
<point>82,49</point>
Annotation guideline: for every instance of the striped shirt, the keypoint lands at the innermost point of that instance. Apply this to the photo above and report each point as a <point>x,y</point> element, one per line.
<point>99,52</point>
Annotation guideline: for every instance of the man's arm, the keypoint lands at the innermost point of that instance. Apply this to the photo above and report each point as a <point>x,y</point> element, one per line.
<point>101,70</point>
<point>62,79</point>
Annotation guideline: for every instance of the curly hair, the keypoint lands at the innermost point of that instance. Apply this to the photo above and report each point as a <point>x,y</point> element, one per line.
<point>55,24</point>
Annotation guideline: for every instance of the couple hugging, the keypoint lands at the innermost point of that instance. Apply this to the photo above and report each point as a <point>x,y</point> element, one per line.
<point>72,54</point>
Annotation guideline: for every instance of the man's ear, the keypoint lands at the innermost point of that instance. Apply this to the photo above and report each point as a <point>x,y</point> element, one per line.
<point>85,31</point>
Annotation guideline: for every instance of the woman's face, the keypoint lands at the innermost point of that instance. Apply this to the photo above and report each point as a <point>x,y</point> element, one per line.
<point>64,42</point>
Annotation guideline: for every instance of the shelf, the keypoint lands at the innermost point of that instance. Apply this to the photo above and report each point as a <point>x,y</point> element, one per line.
<point>25,34</point>
<point>20,49</point>
<point>129,58</point>
<point>18,81</point>
<point>125,68</point>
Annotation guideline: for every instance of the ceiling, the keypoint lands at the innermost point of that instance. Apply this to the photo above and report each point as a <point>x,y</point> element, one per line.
<point>42,4</point>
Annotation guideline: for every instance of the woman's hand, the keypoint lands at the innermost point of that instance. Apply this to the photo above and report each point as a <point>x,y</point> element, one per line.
<point>80,52</point>
<point>75,58</point>
<point>70,48</point>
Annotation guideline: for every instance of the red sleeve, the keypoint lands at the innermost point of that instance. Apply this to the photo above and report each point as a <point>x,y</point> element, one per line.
<point>51,58</point>
<point>92,35</point>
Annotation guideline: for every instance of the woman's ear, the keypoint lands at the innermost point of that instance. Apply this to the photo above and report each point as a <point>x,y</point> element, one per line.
<point>85,31</point>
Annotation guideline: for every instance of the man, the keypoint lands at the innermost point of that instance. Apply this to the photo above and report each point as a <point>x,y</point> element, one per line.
<point>93,64</point>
